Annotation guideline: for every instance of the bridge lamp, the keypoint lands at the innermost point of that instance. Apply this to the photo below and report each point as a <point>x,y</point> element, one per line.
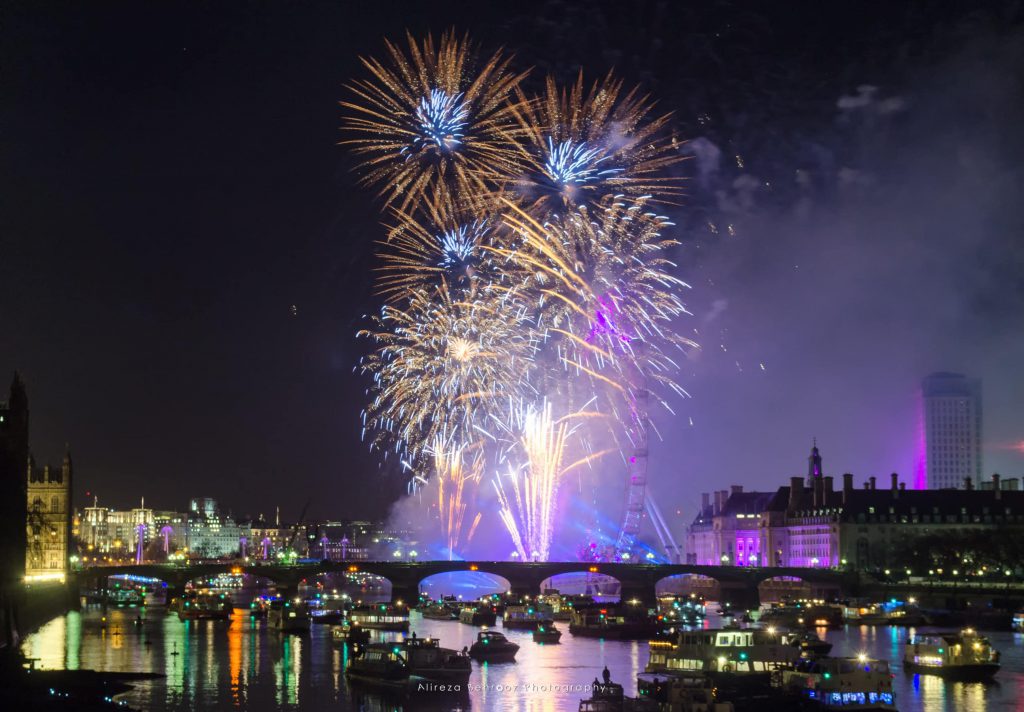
<point>397,554</point>
<point>413,554</point>
<point>625,556</point>
<point>650,555</point>
<point>753,559</point>
<point>725,558</point>
<point>814,562</point>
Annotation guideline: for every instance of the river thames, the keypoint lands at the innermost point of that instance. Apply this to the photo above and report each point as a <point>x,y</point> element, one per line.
<point>241,665</point>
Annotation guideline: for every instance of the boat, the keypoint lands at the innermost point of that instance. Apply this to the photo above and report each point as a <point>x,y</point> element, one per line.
<point>856,684</point>
<point>867,614</point>
<point>563,604</point>
<point>525,616</point>
<point>963,655</point>
<point>546,632</point>
<point>203,606</point>
<point>379,665</point>
<point>349,633</point>
<point>291,616</point>
<point>491,646</point>
<point>381,617</point>
<point>428,660</point>
<point>809,644</point>
<point>322,616</point>
<point>608,697</point>
<point>681,693</point>
<point>1018,622</point>
<point>440,610</point>
<point>803,616</point>
<point>618,623</point>
<point>259,607</point>
<point>478,615</point>
<point>738,661</point>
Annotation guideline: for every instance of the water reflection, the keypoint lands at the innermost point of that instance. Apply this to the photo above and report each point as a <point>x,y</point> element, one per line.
<point>240,664</point>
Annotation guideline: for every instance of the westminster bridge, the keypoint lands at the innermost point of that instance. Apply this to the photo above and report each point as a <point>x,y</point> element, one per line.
<point>737,586</point>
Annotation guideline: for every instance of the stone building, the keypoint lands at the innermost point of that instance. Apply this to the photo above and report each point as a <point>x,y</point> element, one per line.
<point>48,526</point>
<point>813,523</point>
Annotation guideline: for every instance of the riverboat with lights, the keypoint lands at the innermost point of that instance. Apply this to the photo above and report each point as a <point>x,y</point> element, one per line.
<point>480,614</point>
<point>288,616</point>
<point>815,615</point>
<point>195,605</point>
<point>443,610</point>
<point>855,684</point>
<point>629,622</point>
<point>526,616</point>
<point>347,632</point>
<point>381,617</point>
<point>428,660</point>
<point>379,665</point>
<point>809,644</point>
<point>963,655</point>
<point>736,660</point>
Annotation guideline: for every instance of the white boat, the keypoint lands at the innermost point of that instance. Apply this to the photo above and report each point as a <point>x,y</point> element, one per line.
<point>957,656</point>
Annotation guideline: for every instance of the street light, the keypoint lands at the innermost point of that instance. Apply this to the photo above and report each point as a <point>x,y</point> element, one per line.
<point>725,559</point>
<point>814,561</point>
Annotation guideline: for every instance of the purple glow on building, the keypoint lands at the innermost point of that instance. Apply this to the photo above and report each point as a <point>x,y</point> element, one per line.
<point>921,447</point>
<point>748,547</point>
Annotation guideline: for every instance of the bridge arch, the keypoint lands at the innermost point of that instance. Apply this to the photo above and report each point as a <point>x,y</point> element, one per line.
<point>689,584</point>
<point>601,586</point>
<point>463,584</point>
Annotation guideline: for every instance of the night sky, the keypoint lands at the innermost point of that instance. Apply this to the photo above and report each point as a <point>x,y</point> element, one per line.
<point>185,255</point>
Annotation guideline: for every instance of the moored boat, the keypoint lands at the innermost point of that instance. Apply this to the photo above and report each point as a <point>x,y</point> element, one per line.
<point>203,606</point>
<point>618,623</point>
<point>681,693</point>
<point>963,655</point>
<point>546,632</point>
<point>478,615</point>
<point>736,660</point>
<point>492,646</point>
<point>855,684</point>
<point>440,610</point>
<point>288,616</point>
<point>350,633</point>
<point>381,617</point>
<point>379,665</point>
<point>427,659</point>
<point>525,616</point>
<point>809,644</point>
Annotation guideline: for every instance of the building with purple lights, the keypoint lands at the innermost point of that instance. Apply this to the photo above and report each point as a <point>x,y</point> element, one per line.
<point>811,523</point>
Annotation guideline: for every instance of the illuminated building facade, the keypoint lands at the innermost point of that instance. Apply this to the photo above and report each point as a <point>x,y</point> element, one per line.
<point>811,523</point>
<point>211,535</point>
<point>950,450</point>
<point>48,522</point>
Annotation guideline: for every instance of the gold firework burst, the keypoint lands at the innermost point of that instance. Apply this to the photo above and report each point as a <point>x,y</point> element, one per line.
<point>433,125</point>
<point>581,145</point>
<point>440,362</point>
